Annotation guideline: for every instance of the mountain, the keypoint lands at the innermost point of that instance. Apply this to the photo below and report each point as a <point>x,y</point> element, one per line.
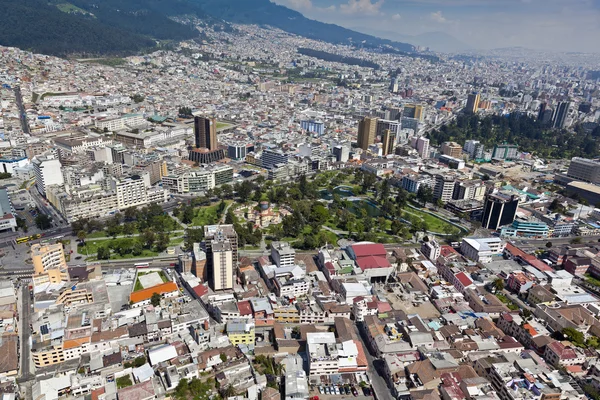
<point>120,27</point>
<point>264,12</point>
<point>436,41</point>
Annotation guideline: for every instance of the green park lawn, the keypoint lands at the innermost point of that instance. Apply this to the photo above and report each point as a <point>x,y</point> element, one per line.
<point>207,215</point>
<point>434,224</point>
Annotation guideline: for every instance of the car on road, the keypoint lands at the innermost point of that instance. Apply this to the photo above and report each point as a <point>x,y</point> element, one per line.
<point>321,390</point>
<point>367,391</point>
<point>354,391</point>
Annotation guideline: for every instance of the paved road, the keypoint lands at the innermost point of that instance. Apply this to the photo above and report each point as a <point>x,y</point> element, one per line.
<point>22,114</point>
<point>379,385</point>
<point>25,335</point>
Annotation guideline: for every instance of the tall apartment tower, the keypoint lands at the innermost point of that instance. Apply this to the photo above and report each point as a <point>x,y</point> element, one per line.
<point>221,232</point>
<point>559,118</point>
<point>47,170</point>
<point>205,132</point>
<point>413,111</point>
<point>422,146</point>
<point>451,149</point>
<point>499,210</point>
<point>222,266</point>
<point>388,140</point>
<point>472,103</point>
<point>367,130</point>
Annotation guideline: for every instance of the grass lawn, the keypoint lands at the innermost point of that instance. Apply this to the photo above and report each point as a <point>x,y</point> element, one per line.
<point>207,215</point>
<point>511,306</point>
<point>91,249</point>
<point>591,280</point>
<point>223,125</point>
<point>176,241</point>
<point>434,224</point>
<point>138,284</point>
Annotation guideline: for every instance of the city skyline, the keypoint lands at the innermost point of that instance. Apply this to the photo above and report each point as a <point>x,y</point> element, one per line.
<point>481,25</point>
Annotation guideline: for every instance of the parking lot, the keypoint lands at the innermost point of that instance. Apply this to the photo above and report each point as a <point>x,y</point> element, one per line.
<point>342,391</point>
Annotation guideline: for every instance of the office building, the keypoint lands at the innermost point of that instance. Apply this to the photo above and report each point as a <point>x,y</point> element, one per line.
<point>271,157</point>
<point>394,85</point>
<point>559,118</point>
<point>413,111</point>
<point>431,249</point>
<point>221,264</point>
<point>472,103</point>
<point>221,232</point>
<point>205,133</point>
<point>422,146</point>
<point>585,170</point>
<point>239,151</point>
<point>451,149</point>
<point>313,126</point>
<point>283,254</point>
<point>47,170</point>
<point>499,210</point>
<point>7,212</point>
<point>388,140</point>
<point>341,153</point>
<point>505,152</point>
<point>482,250</point>
<point>49,263</point>
<point>542,110</point>
<point>393,113</point>
<point>367,131</point>
<point>443,187</point>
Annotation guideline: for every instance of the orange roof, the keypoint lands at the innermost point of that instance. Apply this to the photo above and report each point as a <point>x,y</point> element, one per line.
<point>146,294</point>
<point>72,343</point>
<point>361,359</point>
<point>530,329</point>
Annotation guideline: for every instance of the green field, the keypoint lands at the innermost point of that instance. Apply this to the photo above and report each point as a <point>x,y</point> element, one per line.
<point>223,125</point>
<point>434,224</point>
<point>207,215</point>
<point>90,249</point>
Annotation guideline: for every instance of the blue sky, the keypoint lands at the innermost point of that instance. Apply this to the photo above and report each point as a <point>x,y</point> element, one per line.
<point>566,25</point>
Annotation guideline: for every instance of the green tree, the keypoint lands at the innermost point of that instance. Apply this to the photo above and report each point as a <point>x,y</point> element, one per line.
<point>162,242</point>
<point>81,235</point>
<point>103,253</point>
<point>574,336</point>
<point>22,224</point>
<point>128,228</point>
<point>499,284</point>
<point>155,299</point>
<point>425,194</point>
<point>43,222</point>
<point>548,245</point>
<point>148,238</point>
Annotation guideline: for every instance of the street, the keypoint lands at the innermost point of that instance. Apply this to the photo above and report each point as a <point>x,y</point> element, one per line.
<point>25,334</point>
<point>379,385</point>
<point>22,114</point>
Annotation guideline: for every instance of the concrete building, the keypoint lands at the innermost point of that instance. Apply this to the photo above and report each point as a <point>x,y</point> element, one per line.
<point>451,149</point>
<point>205,133</point>
<point>431,250</point>
<point>221,258</point>
<point>48,172</point>
<point>585,170</point>
<point>283,254</point>
<point>472,103</point>
<point>482,249</point>
<point>499,210</point>
<point>367,131</point>
<point>443,187</point>
<point>241,331</point>
<point>422,146</point>
<point>506,152</point>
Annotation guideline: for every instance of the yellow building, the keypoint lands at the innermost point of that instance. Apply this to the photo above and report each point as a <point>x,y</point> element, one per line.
<point>241,331</point>
<point>367,130</point>
<point>287,315</point>
<point>388,140</point>
<point>47,353</point>
<point>49,264</point>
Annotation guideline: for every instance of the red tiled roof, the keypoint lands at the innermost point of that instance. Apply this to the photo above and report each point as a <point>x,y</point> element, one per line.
<point>563,352</point>
<point>200,290</point>
<point>383,307</point>
<point>244,308</point>
<point>146,294</point>
<point>371,262</point>
<point>371,249</point>
<point>464,279</point>
<point>446,250</point>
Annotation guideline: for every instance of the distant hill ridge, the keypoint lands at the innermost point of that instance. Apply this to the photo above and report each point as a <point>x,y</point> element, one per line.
<point>119,27</point>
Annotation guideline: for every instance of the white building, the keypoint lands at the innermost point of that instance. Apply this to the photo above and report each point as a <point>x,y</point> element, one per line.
<point>47,171</point>
<point>431,250</point>
<point>282,254</point>
<point>482,249</point>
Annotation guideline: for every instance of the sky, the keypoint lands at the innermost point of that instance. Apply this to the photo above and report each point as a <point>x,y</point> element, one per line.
<point>562,25</point>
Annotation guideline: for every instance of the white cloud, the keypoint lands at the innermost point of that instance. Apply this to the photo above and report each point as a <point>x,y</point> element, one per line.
<point>396,17</point>
<point>363,7</point>
<point>438,17</point>
<point>301,4</point>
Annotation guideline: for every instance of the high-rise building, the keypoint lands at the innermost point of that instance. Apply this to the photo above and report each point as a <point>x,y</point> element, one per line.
<point>393,113</point>
<point>221,232</point>
<point>559,118</point>
<point>585,170</point>
<point>451,149</point>
<point>47,170</point>
<point>413,111</point>
<point>499,210</point>
<point>341,153</point>
<point>367,130</point>
<point>422,146</point>
<point>505,152</point>
<point>205,132</point>
<point>313,126</point>
<point>443,187</point>
<point>49,263</point>
<point>283,254</point>
<point>542,110</point>
<point>388,140</point>
<point>384,125</point>
<point>221,258</point>
<point>394,85</point>
<point>474,148</point>
<point>472,103</point>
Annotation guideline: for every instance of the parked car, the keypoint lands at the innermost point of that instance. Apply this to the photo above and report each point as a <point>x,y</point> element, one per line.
<point>321,390</point>
<point>354,391</point>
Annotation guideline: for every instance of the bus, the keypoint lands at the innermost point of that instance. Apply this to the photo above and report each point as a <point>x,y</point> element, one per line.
<point>142,265</point>
<point>26,239</point>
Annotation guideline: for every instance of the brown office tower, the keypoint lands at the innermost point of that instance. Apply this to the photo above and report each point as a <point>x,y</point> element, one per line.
<point>367,130</point>
<point>205,131</point>
<point>388,140</point>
